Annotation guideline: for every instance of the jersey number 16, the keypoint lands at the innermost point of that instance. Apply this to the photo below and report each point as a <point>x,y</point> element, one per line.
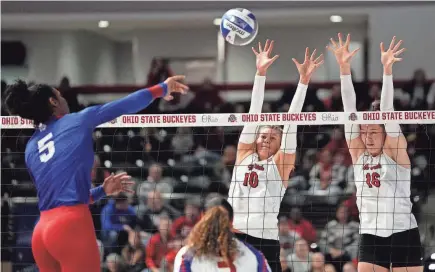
<point>372,179</point>
<point>46,148</point>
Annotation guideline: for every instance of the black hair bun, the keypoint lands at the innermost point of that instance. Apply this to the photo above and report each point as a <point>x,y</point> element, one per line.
<point>17,99</point>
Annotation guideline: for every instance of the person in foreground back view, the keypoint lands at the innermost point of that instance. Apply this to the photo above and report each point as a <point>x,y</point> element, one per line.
<point>59,158</point>
<point>212,246</point>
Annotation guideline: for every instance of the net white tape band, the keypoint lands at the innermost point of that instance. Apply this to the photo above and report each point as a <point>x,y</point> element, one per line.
<point>241,119</point>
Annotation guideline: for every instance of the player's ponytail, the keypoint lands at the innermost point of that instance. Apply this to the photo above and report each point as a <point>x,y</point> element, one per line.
<point>29,102</point>
<point>212,236</point>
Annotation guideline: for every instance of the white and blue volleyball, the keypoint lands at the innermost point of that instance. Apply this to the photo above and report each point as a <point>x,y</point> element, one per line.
<point>239,26</point>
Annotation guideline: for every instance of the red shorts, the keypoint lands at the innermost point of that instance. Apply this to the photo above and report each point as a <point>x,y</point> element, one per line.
<point>64,240</point>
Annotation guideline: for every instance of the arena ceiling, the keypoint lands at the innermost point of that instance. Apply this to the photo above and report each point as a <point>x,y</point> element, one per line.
<point>44,7</point>
<point>131,15</point>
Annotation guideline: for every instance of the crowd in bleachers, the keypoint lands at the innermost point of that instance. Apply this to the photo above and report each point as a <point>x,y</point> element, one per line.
<point>177,169</point>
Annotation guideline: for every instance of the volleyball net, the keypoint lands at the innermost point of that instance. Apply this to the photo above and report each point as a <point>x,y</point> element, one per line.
<point>184,159</point>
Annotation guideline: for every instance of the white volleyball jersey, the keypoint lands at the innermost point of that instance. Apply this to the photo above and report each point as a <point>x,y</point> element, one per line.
<point>383,195</point>
<point>248,260</point>
<point>255,193</point>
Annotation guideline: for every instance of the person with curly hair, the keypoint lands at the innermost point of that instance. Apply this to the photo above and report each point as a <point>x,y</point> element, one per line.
<point>212,246</point>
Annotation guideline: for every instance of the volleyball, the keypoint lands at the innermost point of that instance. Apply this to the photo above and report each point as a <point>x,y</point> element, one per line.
<point>239,26</point>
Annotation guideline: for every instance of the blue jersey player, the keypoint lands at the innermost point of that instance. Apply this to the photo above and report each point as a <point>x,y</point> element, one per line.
<point>59,157</point>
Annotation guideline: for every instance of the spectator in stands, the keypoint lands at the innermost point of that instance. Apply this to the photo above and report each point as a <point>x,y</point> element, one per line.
<point>115,263</point>
<point>373,94</point>
<point>101,249</point>
<point>150,212</point>
<point>330,268</point>
<point>174,246</point>
<point>115,216</point>
<point>207,98</point>
<point>98,173</point>
<point>159,71</point>
<point>300,260</point>
<point>326,176</point>
<point>267,108</point>
<point>352,208</point>
<point>334,103</point>
<point>312,102</point>
<point>239,108</point>
<point>338,145</point>
<point>317,262</point>
<point>155,144</point>
<point>349,267</point>
<point>4,112</point>
<point>287,237</point>
<point>183,141</point>
<point>339,239</point>
<point>134,252</point>
<point>402,101</point>
<point>155,182</point>
<point>184,224</point>
<point>302,226</point>
<point>428,241</point>
<point>326,163</point>
<point>419,89</point>
<point>210,140</point>
<point>70,95</point>
<point>226,165</point>
<point>299,179</point>
<point>180,104</point>
<point>157,247</point>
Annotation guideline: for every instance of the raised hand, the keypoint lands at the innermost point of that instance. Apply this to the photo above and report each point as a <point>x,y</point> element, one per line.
<point>341,50</point>
<point>174,86</point>
<point>263,57</point>
<point>389,57</point>
<point>115,184</point>
<point>307,68</point>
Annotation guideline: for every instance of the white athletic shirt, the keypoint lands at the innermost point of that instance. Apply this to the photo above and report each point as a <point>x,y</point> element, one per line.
<point>248,260</point>
<point>383,195</point>
<point>255,193</point>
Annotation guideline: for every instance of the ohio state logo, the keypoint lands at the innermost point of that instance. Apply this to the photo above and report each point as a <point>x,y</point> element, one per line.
<point>353,117</point>
<point>232,118</point>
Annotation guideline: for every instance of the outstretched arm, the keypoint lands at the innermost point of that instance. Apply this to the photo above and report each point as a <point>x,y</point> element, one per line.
<point>247,138</point>
<point>137,101</point>
<point>344,57</point>
<point>112,185</point>
<point>395,143</point>
<point>286,156</point>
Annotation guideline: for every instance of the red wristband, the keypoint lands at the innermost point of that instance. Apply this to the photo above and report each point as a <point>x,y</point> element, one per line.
<point>158,90</point>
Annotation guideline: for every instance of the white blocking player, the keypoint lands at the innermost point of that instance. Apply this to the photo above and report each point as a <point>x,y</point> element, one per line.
<point>265,159</point>
<point>212,246</point>
<point>382,170</point>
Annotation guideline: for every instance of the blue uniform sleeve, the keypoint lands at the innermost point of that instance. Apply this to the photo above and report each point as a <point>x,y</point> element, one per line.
<point>132,103</point>
<point>97,193</point>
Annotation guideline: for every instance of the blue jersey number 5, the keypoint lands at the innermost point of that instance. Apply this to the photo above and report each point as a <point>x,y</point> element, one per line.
<point>46,148</point>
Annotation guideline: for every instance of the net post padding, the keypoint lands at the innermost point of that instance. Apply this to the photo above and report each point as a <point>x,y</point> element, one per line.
<point>241,119</point>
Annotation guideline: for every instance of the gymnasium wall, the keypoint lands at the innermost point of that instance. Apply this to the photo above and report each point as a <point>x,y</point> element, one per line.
<point>90,58</point>
<point>84,57</point>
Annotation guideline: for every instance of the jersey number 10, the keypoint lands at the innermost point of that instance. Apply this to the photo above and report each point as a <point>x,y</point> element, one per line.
<point>46,148</point>
<point>251,179</point>
<point>372,179</point>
